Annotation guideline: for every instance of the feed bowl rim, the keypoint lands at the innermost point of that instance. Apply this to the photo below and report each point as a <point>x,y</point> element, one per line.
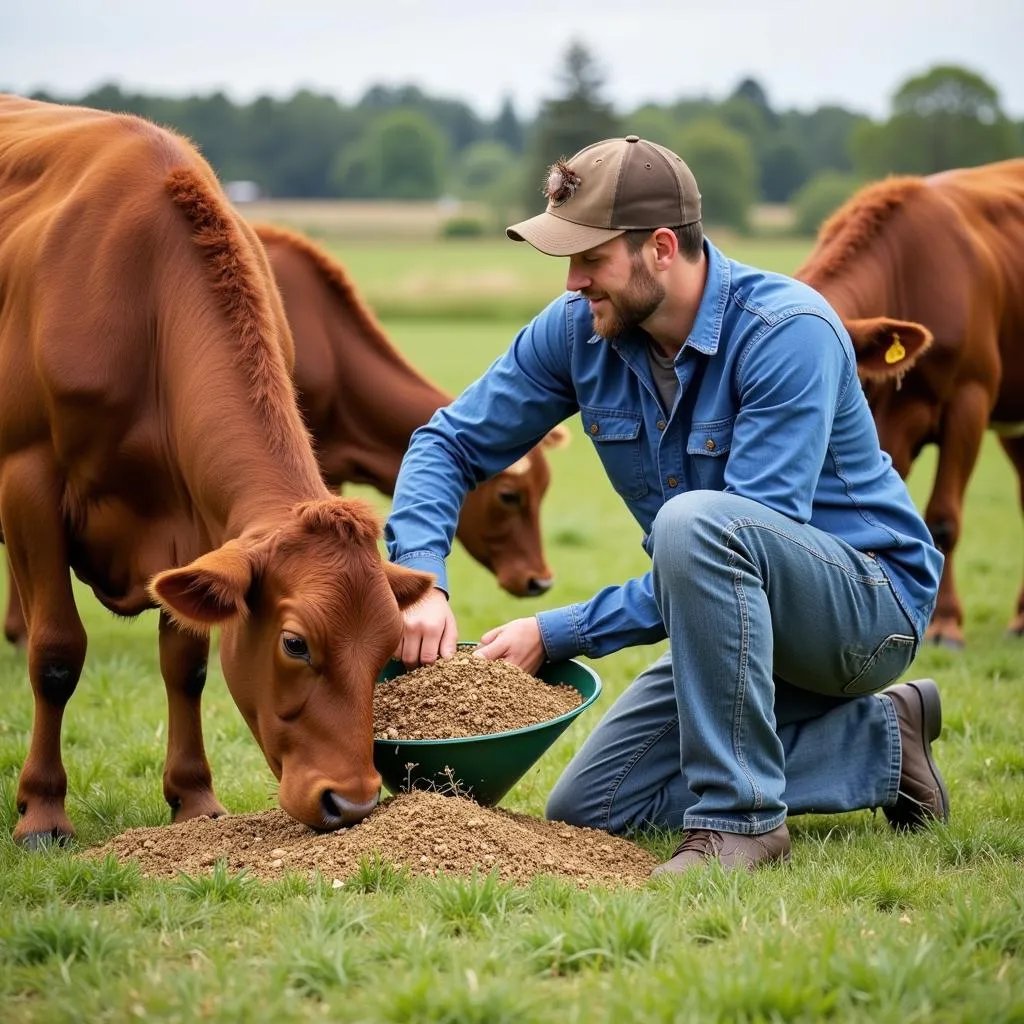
<point>522,730</point>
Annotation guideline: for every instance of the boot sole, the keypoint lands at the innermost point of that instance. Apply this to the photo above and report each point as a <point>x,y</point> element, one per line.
<point>931,712</point>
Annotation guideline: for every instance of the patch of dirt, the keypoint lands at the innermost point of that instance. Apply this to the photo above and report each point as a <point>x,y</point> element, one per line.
<point>466,696</point>
<point>425,832</point>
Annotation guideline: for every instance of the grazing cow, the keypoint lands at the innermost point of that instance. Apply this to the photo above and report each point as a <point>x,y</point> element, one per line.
<point>151,443</point>
<point>361,401</point>
<point>928,275</point>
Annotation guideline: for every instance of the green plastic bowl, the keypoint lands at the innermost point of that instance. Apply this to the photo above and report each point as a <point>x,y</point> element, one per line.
<point>482,767</point>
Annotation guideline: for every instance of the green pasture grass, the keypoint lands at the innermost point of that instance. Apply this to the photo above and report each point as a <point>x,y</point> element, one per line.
<point>416,276</point>
<point>864,925</point>
<point>495,278</point>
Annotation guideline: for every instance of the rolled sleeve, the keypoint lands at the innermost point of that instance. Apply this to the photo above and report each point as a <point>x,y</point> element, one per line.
<point>495,421</point>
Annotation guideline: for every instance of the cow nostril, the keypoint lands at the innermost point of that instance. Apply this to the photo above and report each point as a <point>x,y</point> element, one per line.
<point>536,587</point>
<point>338,811</point>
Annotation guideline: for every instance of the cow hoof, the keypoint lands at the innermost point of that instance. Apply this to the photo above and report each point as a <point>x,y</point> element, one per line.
<point>949,643</point>
<point>197,807</point>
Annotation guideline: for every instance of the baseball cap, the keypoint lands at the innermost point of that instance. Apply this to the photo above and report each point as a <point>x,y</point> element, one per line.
<point>607,188</point>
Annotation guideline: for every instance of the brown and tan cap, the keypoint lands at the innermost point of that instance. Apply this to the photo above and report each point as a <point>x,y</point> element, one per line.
<point>610,187</point>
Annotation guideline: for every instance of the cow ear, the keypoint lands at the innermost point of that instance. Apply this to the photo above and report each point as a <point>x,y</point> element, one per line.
<point>887,348</point>
<point>557,437</point>
<point>209,591</point>
<point>408,585</point>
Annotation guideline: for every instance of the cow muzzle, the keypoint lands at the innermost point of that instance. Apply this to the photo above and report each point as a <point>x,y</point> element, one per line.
<point>339,812</point>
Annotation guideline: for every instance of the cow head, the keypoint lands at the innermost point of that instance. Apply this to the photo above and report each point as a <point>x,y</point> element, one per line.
<point>905,413</point>
<point>309,614</point>
<point>500,521</point>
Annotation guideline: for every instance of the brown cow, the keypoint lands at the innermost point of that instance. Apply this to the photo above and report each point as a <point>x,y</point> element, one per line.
<point>928,275</point>
<point>150,442</point>
<point>361,401</point>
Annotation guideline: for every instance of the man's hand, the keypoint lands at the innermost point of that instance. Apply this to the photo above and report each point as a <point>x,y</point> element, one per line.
<point>429,631</point>
<point>518,641</point>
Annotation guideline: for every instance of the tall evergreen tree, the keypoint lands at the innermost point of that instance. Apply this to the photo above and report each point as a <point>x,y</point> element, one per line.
<point>570,121</point>
<point>507,127</point>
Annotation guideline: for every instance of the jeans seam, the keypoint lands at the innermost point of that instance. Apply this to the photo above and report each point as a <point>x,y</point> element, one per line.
<point>731,825</point>
<point>613,789</point>
<point>892,724</point>
<point>737,721</point>
<point>744,522</point>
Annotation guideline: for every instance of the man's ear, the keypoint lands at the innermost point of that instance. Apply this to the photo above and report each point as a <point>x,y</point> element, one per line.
<point>887,348</point>
<point>207,592</point>
<point>408,585</point>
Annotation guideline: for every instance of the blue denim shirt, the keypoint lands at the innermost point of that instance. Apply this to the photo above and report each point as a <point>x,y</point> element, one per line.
<point>769,407</point>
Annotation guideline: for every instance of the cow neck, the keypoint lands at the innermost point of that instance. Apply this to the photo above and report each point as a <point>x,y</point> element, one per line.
<point>244,455</point>
<point>374,418</point>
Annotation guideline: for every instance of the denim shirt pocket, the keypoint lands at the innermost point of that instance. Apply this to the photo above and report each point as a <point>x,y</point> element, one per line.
<point>616,437</point>
<point>707,446</point>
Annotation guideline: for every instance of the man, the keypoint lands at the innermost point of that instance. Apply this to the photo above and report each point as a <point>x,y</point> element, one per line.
<point>790,570</point>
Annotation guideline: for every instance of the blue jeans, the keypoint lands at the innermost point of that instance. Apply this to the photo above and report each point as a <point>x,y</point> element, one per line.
<point>779,635</point>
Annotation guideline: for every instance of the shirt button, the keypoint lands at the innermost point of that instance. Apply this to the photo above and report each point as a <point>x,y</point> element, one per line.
<point>661,424</point>
<point>594,428</point>
<point>709,444</point>
<point>672,481</point>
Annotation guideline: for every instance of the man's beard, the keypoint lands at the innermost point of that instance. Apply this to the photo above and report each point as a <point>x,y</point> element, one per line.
<point>638,300</point>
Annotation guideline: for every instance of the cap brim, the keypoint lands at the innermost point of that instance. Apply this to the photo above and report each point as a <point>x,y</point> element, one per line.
<point>556,237</point>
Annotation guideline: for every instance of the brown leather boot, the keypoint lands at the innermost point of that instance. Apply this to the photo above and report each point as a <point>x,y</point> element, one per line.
<point>701,846</point>
<point>923,796</point>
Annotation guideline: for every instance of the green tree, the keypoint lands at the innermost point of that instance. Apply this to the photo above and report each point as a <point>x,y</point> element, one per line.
<point>564,125</point>
<point>507,127</point>
<point>948,117</point>
<point>479,167</point>
<point>722,161</point>
<point>402,157</point>
<point>820,198</point>
<point>654,123</point>
<point>784,167</point>
<point>824,135</point>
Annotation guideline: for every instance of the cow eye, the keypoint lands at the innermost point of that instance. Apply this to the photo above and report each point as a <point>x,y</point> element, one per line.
<point>294,646</point>
<point>513,499</point>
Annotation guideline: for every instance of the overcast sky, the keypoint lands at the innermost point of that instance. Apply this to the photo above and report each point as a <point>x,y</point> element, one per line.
<point>804,52</point>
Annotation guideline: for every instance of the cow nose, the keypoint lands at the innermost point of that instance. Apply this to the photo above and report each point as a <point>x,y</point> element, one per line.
<point>338,811</point>
<point>537,587</point>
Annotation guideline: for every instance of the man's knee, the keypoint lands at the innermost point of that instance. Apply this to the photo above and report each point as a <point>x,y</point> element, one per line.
<point>566,803</point>
<point>691,524</point>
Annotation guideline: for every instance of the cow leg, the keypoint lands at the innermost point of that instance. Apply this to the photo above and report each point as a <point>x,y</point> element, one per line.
<point>963,427</point>
<point>1014,448</point>
<point>188,784</point>
<point>31,491</point>
<point>15,627</point>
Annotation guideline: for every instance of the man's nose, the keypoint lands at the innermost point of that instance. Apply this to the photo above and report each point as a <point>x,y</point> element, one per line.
<point>576,280</point>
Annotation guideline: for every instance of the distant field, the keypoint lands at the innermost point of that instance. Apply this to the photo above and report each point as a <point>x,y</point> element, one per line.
<point>404,270</point>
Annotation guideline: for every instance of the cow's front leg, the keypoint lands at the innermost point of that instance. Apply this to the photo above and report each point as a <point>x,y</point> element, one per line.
<point>1014,448</point>
<point>188,785</point>
<point>31,492</point>
<point>963,426</point>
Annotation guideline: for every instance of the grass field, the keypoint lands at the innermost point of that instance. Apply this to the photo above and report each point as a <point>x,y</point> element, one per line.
<point>408,274</point>
<point>865,924</point>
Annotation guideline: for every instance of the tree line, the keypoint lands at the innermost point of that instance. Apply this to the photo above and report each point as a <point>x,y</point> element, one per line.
<point>401,143</point>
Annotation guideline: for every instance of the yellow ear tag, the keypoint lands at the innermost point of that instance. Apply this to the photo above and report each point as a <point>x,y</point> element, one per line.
<point>895,352</point>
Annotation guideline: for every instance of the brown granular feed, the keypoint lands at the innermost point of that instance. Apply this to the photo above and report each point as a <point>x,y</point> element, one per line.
<point>466,696</point>
<point>427,833</point>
